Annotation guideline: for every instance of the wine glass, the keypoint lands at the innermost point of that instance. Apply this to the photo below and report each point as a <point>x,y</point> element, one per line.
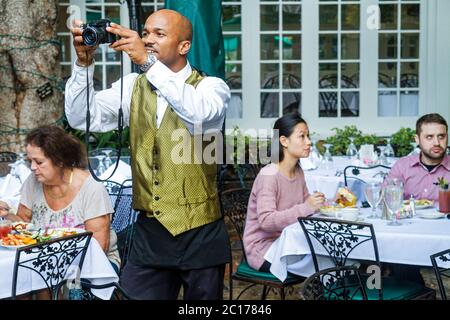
<point>101,166</point>
<point>315,156</point>
<point>393,197</point>
<point>351,152</point>
<point>107,161</point>
<point>383,160</point>
<point>415,149</point>
<point>327,158</point>
<point>389,151</point>
<point>374,195</point>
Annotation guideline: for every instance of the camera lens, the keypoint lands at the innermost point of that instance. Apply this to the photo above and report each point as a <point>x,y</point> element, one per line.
<point>90,36</point>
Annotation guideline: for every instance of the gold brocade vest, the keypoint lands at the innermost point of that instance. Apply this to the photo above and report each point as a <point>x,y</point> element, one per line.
<point>180,192</point>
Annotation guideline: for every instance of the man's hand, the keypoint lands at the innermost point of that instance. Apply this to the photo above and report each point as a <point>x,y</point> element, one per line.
<point>85,53</point>
<point>316,200</point>
<point>129,42</point>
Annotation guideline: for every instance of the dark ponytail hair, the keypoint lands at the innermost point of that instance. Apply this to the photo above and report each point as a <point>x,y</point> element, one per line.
<point>284,126</point>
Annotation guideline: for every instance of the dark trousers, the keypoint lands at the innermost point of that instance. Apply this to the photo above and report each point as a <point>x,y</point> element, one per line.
<point>148,283</point>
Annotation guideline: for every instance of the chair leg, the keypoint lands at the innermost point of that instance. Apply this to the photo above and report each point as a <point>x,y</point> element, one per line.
<point>264,293</point>
<point>282,295</point>
<point>230,280</point>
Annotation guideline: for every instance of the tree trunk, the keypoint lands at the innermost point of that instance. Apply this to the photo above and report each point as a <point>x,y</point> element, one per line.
<point>29,59</point>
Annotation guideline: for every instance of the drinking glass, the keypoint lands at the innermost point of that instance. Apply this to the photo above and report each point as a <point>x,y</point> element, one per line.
<point>393,197</point>
<point>107,161</point>
<point>373,193</point>
<point>351,152</point>
<point>327,158</point>
<point>315,156</point>
<point>389,151</point>
<point>383,160</point>
<point>101,166</point>
<point>5,227</point>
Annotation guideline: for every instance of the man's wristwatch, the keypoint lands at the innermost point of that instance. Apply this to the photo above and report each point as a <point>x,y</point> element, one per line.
<point>151,59</point>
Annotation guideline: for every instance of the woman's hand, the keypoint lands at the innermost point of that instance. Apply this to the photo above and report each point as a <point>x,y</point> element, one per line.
<point>316,200</point>
<point>4,209</point>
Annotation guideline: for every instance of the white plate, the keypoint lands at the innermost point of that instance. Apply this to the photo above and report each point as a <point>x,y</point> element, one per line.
<point>12,247</point>
<point>28,226</point>
<point>431,215</point>
<point>58,232</point>
<point>420,207</point>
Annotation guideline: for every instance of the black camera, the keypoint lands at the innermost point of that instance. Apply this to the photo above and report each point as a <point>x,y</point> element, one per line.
<point>94,33</point>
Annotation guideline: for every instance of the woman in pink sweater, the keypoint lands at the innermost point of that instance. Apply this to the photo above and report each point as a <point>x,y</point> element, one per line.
<point>279,194</point>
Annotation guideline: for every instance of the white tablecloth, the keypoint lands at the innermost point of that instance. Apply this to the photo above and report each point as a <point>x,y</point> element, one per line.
<point>96,268</point>
<point>326,181</point>
<point>411,243</point>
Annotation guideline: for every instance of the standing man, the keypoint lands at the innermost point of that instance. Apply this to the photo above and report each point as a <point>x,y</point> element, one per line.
<point>419,172</point>
<point>180,237</point>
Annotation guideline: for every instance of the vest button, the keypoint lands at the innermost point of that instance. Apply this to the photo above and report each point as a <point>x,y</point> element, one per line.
<point>156,182</point>
<point>155,151</point>
<point>156,198</point>
<point>157,212</point>
<point>155,168</point>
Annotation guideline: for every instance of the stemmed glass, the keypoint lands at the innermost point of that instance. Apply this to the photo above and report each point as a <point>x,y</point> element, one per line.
<point>315,156</point>
<point>107,161</point>
<point>383,160</point>
<point>101,166</point>
<point>415,150</point>
<point>393,197</point>
<point>389,151</point>
<point>327,158</point>
<point>374,195</point>
<point>351,152</point>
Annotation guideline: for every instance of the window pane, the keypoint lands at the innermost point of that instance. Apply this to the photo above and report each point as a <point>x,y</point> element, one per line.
<point>327,75</point>
<point>328,46</point>
<point>98,78</point>
<point>328,17</point>
<point>98,54</point>
<point>409,103</point>
<point>62,19</point>
<point>231,18</point>
<point>388,16</point>
<point>350,104</point>
<point>112,75</point>
<point>387,104</point>
<point>233,74</point>
<point>350,46</point>
<point>146,12</point>
<point>66,45</point>
<point>328,104</point>
<point>269,76</point>
<point>409,75</point>
<point>269,105</point>
<point>93,13</point>
<point>387,46</point>
<point>411,16</point>
<point>112,55</point>
<point>269,18</point>
<point>269,47</point>
<point>350,17</point>
<point>292,48</point>
<point>292,17</point>
<point>234,110</point>
<point>292,102</point>
<point>350,75</point>
<point>410,45</point>
<point>387,75</point>
<point>232,45</point>
<point>292,75</point>
<point>113,14</point>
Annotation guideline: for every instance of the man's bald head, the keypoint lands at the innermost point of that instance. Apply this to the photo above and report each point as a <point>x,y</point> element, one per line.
<point>181,23</point>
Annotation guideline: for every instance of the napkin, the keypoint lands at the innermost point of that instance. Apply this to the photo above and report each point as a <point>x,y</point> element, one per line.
<point>122,173</point>
<point>307,164</point>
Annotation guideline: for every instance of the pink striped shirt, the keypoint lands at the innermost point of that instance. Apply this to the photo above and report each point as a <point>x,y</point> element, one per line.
<point>275,202</point>
<point>416,178</point>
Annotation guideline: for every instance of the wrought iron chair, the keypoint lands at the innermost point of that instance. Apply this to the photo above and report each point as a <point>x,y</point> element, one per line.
<point>339,238</point>
<point>51,260</point>
<point>438,259</point>
<point>242,176</point>
<point>234,207</point>
<point>123,220</point>
<point>338,283</point>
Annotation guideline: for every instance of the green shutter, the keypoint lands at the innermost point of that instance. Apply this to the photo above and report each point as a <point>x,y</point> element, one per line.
<point>207,51</point>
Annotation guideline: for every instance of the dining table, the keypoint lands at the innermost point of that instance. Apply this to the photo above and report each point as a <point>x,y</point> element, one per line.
<point>96,268</point>
<point>412,243</point>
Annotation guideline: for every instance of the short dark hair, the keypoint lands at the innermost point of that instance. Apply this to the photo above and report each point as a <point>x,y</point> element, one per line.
<point>430,118</point>
<point>285,126</point>
<point>60,147</point>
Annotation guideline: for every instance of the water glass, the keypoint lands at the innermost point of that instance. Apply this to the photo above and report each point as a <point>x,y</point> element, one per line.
<point>393,198</point>
<point>374,195</point>
<point>351,152</point>
<point>327,158</point>
<point>389,151</point>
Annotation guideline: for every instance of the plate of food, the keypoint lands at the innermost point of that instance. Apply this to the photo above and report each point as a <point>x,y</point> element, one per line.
<point>21,226</point>
<point>329,211</point>
<point>431,214</point>
<point>420,203</point>
<point>61,232</point>
<point>14,241</point>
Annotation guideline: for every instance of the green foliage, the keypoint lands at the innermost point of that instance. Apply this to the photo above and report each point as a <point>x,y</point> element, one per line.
<point>341,139</point>
<point>442,183</point>
<point>401,141</point>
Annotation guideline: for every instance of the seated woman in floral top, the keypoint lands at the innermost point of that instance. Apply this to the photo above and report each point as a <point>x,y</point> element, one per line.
<point>60,192</point>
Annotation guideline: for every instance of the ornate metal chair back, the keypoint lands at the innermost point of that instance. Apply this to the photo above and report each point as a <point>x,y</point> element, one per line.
<point>441,266</point>
<point>51,260</point>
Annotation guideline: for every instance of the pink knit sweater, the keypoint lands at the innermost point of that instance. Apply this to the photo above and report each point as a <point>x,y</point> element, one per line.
<point>275,202</point>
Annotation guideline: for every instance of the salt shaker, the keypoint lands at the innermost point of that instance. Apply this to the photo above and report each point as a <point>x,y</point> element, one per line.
<point>412,206</point>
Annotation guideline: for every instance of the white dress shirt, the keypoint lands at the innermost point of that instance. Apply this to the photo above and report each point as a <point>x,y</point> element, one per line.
<point>203,106</point>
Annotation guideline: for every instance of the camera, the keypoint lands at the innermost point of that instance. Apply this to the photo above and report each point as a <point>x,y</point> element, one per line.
<point>94,33</point>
